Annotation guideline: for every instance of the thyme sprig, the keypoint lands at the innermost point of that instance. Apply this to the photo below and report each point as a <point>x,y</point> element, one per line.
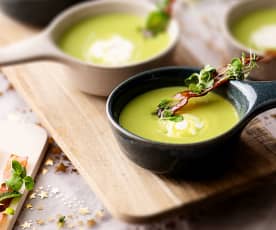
<point>209,78</point>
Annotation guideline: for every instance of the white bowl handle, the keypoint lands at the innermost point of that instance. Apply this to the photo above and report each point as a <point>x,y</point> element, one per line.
<point>35,48</point>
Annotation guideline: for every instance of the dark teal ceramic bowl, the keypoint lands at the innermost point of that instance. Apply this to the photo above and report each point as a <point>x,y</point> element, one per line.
<point>196,159</point>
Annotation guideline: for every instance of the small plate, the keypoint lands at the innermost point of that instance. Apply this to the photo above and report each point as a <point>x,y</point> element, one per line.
<point>23,140</point>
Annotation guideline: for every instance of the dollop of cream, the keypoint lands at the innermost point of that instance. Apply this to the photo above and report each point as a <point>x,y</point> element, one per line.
<point>114,51</point>
<point>189,126</point>
<point>264,37</point>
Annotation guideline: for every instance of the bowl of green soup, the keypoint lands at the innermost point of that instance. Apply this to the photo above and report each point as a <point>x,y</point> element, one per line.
<point>250,25</point>
<point>100,44</point>
<point>197,144</point>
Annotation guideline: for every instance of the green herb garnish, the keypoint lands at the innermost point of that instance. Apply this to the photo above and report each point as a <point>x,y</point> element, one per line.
<point>9,211</point>
<point>157,21</point>
<point>19,177</point>
<point>9,195</point>
<point>61,221</point>
<point>209,78</point>
<point>198,82</point>
<point>238,69</point>
<point>165,111</point>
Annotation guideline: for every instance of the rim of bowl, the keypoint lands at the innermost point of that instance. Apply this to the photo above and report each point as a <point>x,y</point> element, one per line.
<point>226,26</point>
<point>79,7</point>
<point>117,126</point>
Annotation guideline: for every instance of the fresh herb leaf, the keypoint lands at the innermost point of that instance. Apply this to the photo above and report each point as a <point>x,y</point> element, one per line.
<point>166,114</point>
<point>61,221</point>
<point>157,21</point>
<point>18,178</point>
<point>17,168</point>
<point>165,103</point>
<point>9,195</point>
<point>175,118</point>
<point>15,182</point>
<point>9,211</point>
<point>198,82</point>
<point>29,182</point>
<point>209,78</point>
<point>240,68</point>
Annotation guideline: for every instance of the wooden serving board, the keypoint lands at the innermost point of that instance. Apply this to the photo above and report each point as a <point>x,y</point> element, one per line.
<point>78,123</point>
<point>22,140</point>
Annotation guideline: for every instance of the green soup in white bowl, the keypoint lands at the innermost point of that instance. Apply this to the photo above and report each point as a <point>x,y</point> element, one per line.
<point>99,43</point>
<point>257,29</point>
<point>250,26</point>
<point>112,39</point>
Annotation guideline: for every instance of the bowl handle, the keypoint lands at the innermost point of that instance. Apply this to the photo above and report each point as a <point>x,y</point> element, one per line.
<point>266,95</point>
<point>35,48</point>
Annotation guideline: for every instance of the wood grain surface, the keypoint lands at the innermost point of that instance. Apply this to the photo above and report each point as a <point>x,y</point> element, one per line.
<point>78,123</point>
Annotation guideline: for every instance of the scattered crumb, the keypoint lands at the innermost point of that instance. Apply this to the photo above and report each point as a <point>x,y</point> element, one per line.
<point>91,223</point>
<point>84,211</point>
<point>55,150</point>
<point>49,162</point>
<point>32,196</point>
<point>44,171</point>
<point>29,206</point>
<point>99,214</point>
<point>26,225</point>
<point>80,223</point>
<point>74,171</point>
<point>50,219</point>
<point>10,87</point>
<point>64,157</point>
<point>40,222</point>
<point>70,216</point>
<point>273,116</point>
<point>51,140</point>
<point>39,208</point>
<point>43,195</point>
<point>55,191</point>
<point>61,167</point>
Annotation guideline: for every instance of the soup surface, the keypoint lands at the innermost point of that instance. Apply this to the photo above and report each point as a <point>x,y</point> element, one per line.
<point>112,39</point>
<point>257,29</point>
<point>204,117</point>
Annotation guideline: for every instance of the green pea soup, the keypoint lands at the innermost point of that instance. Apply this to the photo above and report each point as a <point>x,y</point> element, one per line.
<point>204,117</point>
<point>256,29</point>
<point>112,39</point>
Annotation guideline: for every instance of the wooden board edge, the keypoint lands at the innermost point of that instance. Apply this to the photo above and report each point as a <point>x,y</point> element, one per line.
<point>184,209</point>
<point>187,210</point>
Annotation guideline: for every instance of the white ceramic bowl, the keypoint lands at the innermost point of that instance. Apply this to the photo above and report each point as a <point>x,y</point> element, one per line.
<point>266,71</point>
<point>88,77</point>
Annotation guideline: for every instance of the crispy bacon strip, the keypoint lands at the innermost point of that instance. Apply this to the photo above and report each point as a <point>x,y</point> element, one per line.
<point>169,8</point>
<point>219,79</point>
